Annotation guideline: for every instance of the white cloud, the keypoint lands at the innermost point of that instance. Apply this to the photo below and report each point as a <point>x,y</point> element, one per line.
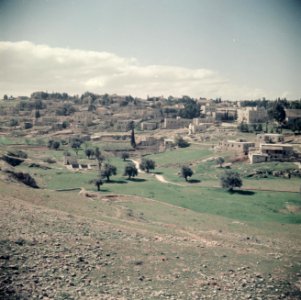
<point>26,67</point>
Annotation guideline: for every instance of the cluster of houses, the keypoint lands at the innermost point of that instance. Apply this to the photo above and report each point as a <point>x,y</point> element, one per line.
<point>267,147</point>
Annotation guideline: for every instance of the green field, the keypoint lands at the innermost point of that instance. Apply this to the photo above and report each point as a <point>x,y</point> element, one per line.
<point>202,196</point>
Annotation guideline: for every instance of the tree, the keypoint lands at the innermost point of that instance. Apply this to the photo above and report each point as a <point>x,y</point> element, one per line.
<point>243,127</point>
<point>132,127</point>
<point>5,97</point>
<point>181,143</point>
<point>37,114</point>
<point>191,109</point>
<point>220,160</point>
<point>99,157</point>
<point>65,110</point>
<point>259,127</point>
<point>52,144</point>
<point>98,182</point>
<point>230,180</point>
<point>277,112</point>
<point>186,172</point>
<point>76,144</point>
<point>296,125</point>
<point>125,155</point>
<point>56,145</point>
<point>147,164</point>
<point>89,152</point>
<point>108,171</point>
<point>130,170</point>
<point>13,122</point>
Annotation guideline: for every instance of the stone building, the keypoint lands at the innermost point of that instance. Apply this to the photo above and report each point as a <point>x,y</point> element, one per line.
<point>239,146</point>
<point>226,114</point>
<point>272,152</point>
<point>292,114</point>
<point>195,128</point>
<point>149,125</point>
<point>270,138</point>
<point>250,115</point>
<point>175,123</point>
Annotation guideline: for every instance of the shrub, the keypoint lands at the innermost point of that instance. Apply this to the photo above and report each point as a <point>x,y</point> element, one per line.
<point>50,160</point>
<point>24,178</point>
<point>181,143</point>
<point>13,161</point>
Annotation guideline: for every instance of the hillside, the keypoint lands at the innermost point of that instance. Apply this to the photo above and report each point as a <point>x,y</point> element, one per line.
<point>65,245</point>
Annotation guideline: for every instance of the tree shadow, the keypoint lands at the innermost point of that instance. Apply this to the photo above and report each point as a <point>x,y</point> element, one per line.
<point>103,190</point>
<point>158,173</point>
<point>116,181</point>
<point>194,181</point>
<point>136,179</point>
<point>242,192</point>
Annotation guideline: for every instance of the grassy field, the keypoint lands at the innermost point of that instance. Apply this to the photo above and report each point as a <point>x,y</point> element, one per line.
<point>202,196</point>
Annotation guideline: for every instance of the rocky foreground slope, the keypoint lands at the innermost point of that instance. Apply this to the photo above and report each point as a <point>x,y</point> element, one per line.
<point>62,246</point>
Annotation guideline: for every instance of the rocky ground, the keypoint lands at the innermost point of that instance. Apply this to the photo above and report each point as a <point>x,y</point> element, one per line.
<point>50,254</point>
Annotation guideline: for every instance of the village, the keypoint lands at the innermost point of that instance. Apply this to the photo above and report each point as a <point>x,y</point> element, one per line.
<point>173,198</point>
<point>247,131</point>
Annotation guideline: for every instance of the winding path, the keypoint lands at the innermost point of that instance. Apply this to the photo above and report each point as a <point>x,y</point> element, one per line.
<point>160,178</point>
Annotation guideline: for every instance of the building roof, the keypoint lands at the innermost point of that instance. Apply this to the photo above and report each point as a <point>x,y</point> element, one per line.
<point>275,146</point>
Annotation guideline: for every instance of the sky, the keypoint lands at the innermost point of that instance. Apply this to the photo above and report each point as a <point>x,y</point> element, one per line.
<point>233,49</point>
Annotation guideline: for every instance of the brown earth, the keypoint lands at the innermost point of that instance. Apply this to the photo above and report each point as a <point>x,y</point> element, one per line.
<point>68,246</point>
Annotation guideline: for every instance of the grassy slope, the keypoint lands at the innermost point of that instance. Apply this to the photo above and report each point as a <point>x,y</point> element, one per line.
<point>256,206</point>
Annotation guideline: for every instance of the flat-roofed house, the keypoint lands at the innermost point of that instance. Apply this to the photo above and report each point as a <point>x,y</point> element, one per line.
<point>239,146</point>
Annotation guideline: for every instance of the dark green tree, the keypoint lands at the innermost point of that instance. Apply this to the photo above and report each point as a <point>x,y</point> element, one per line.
<point>125,155</point>
<point>37,114</point>
<point>181,143</point>
<point>277,112</point>
<point>130,170</point>
<point>98,182</point>
<point>133,140</point>
<point>53,144</point>
<point>186,172</point>
<point>220,160</point>
<point>108,171</point>
<point>99,157</point>
<point>13,122</point>
<point>230,180</point>
<point>147,164</point>
<point>75,145</point>
<point>191,109</point>
<point>89,152</point>
<point>243,127</point>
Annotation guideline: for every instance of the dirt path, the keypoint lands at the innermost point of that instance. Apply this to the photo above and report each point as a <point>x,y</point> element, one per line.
<point>137,165</point>
<point>160,178</point>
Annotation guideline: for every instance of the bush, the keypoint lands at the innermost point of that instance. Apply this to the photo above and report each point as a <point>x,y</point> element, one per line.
<point>13,161</point>
<point>24,178</point>
<point>50,160</point>
<point>181,143</point>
